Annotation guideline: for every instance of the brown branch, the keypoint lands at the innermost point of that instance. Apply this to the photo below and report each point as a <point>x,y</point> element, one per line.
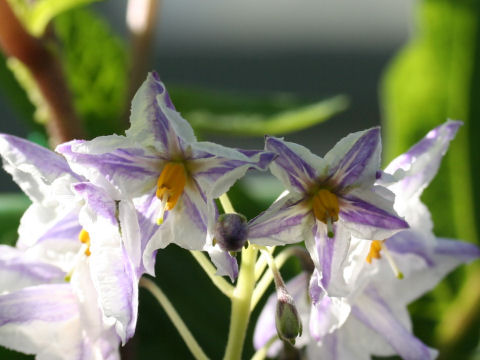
<point>46,70</point>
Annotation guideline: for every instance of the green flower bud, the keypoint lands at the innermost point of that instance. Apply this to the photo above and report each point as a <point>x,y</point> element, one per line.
<point>287,319</point>
<point>231,231</point>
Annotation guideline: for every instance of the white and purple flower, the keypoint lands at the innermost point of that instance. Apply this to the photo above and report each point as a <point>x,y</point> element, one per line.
<point>73,225</point>
<point>172,179</point>
<point>329,199</point>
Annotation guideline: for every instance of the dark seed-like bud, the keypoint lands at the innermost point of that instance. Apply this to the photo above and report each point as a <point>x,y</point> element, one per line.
<point>287,319</point>
<point>231,231</point>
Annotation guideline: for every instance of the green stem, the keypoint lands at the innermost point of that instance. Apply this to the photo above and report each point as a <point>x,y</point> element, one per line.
<point>177,321</point>
<point>267,278</point>
<point>241,300</point>
<point>209,269</point>
<point>226,204</point>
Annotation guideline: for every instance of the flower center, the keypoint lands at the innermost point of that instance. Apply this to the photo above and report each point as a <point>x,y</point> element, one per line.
<point>325,208</point>
<point>84,238</point>
<point>374,253</point>
<point>170,185</point>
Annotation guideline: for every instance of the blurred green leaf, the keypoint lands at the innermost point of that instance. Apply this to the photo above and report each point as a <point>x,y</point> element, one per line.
<point>95,61</point>
<point>435,77</point>
<point>12,207</point>
<point>258,124</point>
<point>35,15</point>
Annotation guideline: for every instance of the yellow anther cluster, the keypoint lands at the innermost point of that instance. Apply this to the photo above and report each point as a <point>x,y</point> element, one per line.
<point>325,206</point>
<point>170,185</point>
<point>374,253</point>
<point>84,238</point>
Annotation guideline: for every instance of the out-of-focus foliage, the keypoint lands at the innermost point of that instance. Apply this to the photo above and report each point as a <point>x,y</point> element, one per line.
<point>36,15</point>
<point>96,67</point>
<point>12,207</point>
<point>435,77</point>
<point>240,114</point>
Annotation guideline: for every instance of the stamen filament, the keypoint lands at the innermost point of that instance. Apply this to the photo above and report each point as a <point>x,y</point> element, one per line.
<point>330,232</point>
<point>396,271</point>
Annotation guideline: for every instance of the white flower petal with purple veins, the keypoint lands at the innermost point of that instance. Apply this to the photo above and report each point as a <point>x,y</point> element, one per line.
<point>114,161</point>
<point>419,165</point>
<point>113,274</point>
<point>34,168</point>
<point>216,168</point>
<point>19,270</point>
<point>376,314</point>
<point>355,159</point>
<point>41,320</point>
<point>225,263</point>
<point>296,167</point>
<point>287,221</point>
<point>154,120</point>
<point>367,217</point>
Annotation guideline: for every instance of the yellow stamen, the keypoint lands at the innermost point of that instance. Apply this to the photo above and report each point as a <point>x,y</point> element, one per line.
<point>374,253</point>
<point>84,238</point>
<point>170,185</point>
<point>326,209</point>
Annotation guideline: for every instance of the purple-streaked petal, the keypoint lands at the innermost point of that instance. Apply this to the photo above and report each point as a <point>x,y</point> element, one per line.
<point>113,274</point>
<point>225,263</point>
<point>327,315</point>
<point>375,313</point>
<point>411,242</point>
<point>369,216</point>
<point>287,221</point>
<point>216,168</point>
<point>154,120</point>
<point>41,320</point>
<point>420,164</point>
<point>355,160</point>
<point>329,256</point>
<point>19,270</point>
<point>114,160</point>
<point>296,167</point>
<point>34,168</point>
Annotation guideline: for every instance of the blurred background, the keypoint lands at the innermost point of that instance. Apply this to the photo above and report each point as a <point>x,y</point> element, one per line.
<point>290,67</point>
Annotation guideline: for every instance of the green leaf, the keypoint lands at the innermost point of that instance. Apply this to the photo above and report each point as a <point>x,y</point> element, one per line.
<point>12,207</point>
<point>35,15</point>
<point>95,62</point>
<point>255,124</point>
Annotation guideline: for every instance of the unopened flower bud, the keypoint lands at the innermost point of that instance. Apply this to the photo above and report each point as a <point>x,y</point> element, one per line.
<point>287,319</point>
<point>231,231</point>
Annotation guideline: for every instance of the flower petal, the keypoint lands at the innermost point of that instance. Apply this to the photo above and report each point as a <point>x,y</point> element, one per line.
<point>375,313</point>
<point>114,160</point>
<point>216,168</point>
<point>296,167</point>
<point>19,270</point>
<point>355,159</point>
<point>369,216</point>
<point>41,320</point>
<point>225,263</point>
<point>287,221</point>
<point>112,272</point>
<point>154,120</point>
<point>33,167</point>
<point>419,165</point>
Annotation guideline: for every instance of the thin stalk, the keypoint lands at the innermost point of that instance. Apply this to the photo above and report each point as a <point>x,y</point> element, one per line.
<point>267,278</point>
<point>241,300</point>
<point>260,266</point>
<point>210,270</point>
<point>226,204</point>
<point>177,321</point>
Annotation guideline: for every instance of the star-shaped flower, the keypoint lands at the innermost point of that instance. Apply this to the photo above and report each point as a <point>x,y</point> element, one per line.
<point>328,198</point>
<point>172,178</point>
